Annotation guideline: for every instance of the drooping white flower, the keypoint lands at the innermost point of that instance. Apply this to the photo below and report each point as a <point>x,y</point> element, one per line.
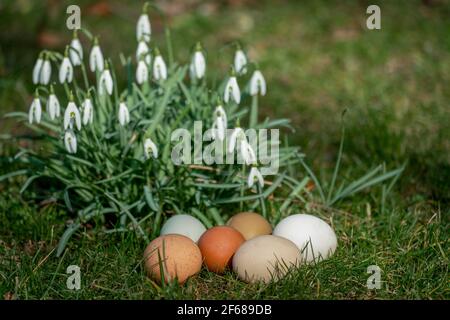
<point>159,68</point>
<point>235,137</point>
<point>76,51</point>
<point>232,91</point>
<point>66,71</point>
<point>53,106</point>
<point>257,84</point>
<point>150,149</point>
<point>143,27</point>
<point>96,61</point>
<point>70,141</point>
<point>198,64</point>
<point>88,111</point>
<point>255,175</point>
<point>142,72</point>
<point>247,152</point>
<point>37,69</point>
<point>72,115</point>
<point>124,115</point>
<point>220,124</point>
<point>105,82</point>
<point>35,112</point>
<point>240,62</point>
<point>143,51</point>
<point>46,72</point>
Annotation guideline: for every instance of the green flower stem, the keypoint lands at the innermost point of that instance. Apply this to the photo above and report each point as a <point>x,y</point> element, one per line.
<point>254,112</point>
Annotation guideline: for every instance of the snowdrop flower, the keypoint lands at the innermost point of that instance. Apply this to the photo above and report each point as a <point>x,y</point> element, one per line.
<point>254,176</point>
<point>53,106</point>
<point>247,152</point>
<point>76,50</point>
<point>220,124</point>
<point>143,27</point>
<point>124,115</point>
<point>72,115</point>
<point>150,149</point>
<point>198,63</point>
<point>46,72</point>
<point>66,69</point>
<point>240,62</point>
<point>96,61</point>
<point>105,82</point>
<point>159,67</point>
<point>142,72</point>
<point>35,111</point>
<point>238,138</point>
<point>70,141</point>
<point>143,51</point>
<point>88,111</point>
<point>257,84</point>
<point>232,90</point>
<point>37,68</point>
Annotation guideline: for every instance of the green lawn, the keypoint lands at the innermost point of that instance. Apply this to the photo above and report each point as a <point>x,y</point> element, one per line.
<point>319,59</point>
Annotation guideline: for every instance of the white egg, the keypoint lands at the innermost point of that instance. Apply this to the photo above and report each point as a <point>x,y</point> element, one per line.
<point>313,236</point>
<point>185,225</point>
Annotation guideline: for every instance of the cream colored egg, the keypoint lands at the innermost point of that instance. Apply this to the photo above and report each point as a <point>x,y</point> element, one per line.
<point>250,224</point>
<point>265,258</point>
<point>185,225</point>
<point>313,236</point>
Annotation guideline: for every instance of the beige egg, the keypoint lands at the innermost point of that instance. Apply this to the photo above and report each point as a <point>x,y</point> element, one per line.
<point>265,258</point>
<point>176,255</point>
<point>250,224</point>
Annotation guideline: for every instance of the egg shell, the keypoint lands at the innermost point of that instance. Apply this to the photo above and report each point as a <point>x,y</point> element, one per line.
<point>313,236</point>
<point>265,258</point>
<point>178,255</point>
<point>218,246</point>
<point>250,224</point>
<point>185,225</point>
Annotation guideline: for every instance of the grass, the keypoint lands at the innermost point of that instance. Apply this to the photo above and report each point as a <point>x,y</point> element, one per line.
<point>319,59</point>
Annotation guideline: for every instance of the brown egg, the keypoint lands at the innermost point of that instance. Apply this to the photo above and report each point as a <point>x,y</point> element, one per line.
<point>250,224</point>
<point>218,246</point>
<point>182,258</point>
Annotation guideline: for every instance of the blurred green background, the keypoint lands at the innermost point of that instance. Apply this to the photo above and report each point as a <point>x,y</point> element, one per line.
<point>319,59</point>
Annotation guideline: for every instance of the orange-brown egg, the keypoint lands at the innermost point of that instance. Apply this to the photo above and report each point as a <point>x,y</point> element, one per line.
<point>176,255</point>
<point>218,246</point>
<point>250,224</point>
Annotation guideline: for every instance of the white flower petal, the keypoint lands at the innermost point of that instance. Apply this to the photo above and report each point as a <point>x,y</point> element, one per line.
<point>66,71</point>
<point>76,52</point>
<point>150,149</point>
<point>105,83</point>
<point>46,72</point>
<point>255,174</point>
<point>96,61</point>
<point>71,116</point>
<point>142,72</point>
<point>232,91</point>
<point>37,70</point>
<point>70,141</point>
<point>257,84</point>
<point>199,65</point>
<point>124,115</point>
<point>240,62</point>
<point>159,68</point>
<point>88,111</point>
<point>53,106</point>
<point>35,111</point>
<point>143,28</point>
<point>142,50</point>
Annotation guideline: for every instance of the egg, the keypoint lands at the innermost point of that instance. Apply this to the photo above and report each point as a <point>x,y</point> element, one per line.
<point>250,224</point>
<point>218,246</point>
<point>313,236</point>
<point>185,225</point>
<point>265,258</point>
<point>178,256</point>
